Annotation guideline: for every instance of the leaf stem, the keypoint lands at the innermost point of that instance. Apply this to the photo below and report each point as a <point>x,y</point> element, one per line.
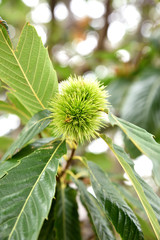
<point>68,163</point>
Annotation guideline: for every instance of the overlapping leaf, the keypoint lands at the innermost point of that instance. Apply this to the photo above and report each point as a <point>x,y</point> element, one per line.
<point>28,70</point>
<point>37,123</point>
<point>116,209</point>
<point>145,193</point>
<point>66,216</point>
<point>7,165</point>
<point>27,191</point>
<point>96,213</point>
<point>142,140</point>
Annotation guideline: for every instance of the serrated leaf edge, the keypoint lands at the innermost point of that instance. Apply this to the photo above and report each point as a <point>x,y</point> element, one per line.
<point>14,227</point>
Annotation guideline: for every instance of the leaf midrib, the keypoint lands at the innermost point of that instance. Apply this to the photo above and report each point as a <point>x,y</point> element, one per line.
<point>30,194</point>
<point>22,71</point>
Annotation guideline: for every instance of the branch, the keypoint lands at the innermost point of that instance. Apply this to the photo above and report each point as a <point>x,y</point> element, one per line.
<point>52,6</point>
<point>68,163</point>
<point>103,32</point>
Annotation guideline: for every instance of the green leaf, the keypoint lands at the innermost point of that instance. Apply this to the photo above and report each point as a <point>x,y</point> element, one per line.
<point>145,193</point>
<point>28,70</point>
<point>129,198</point>
<point>7,165</point>
<point>144,97</point>
<point>4,106</point>
<point>96,213</point>
<point>27,191</point>
<point>142,140</point>
<point>66,216</point>
<point>142,103</point>
<point>118,90</point>
<point>35,125</point>
<point>117,210</point>
<point>131,148</point>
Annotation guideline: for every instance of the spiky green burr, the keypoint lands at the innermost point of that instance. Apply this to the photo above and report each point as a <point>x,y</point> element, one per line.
<point>77,109</point>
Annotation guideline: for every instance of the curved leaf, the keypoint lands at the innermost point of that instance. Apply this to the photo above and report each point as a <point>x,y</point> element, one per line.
<point>66,216</point>
<point>142,140</point>
<point>144,191</point>
<point>117,210</point>
<point>28,71</point>
<point>35,125</point>
<point>96,213</point>
<point>27,191</point>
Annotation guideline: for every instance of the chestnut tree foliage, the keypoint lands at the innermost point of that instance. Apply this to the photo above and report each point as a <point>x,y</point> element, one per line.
<point>37,172</point>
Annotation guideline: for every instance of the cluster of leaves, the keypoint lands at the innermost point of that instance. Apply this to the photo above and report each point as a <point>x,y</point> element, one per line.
<point>36,198</point>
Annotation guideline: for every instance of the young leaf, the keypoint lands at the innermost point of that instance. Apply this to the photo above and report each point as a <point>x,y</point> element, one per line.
<point>35,125</point>
<point>27,191</point>
<point>145,193</point>
<point>96,213</point>
<point>142,140</point>
<point>116,209</point>
<point>66,216</point>
<point>28,70</point>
